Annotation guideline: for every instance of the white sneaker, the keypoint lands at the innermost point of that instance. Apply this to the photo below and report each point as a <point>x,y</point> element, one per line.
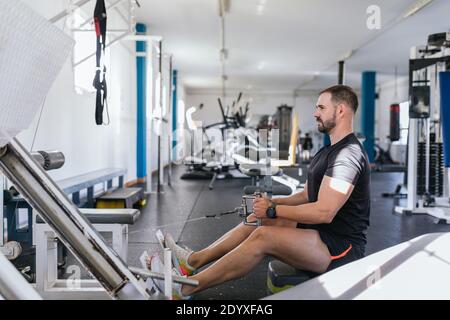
<point>156,265</point>
<point>180,256</point>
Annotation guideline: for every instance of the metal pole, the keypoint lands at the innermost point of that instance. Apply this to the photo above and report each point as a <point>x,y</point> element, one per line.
<point>75,232</point>
<point>170,109</point>
<point>64,13</point>
<point>412,164</point>
<point>145,273</point>
<point>13,285</point>
<point>168,273</point>
<point>341,72</point>
<point>161,123</point>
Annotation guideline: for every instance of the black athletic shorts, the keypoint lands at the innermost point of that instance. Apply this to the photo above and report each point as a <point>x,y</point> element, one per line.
<point>342,251</point>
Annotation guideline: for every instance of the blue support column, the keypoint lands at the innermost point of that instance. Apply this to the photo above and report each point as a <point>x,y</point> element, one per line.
<point>141,84</point>
<point>174,113</point>
<point>368,112</point>
<point>444,82</point>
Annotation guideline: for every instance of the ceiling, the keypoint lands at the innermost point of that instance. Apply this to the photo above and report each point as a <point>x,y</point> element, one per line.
<point>288,45</point>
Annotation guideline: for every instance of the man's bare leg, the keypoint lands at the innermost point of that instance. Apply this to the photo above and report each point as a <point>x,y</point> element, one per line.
<point>300,248</point>
<point>231,240</point>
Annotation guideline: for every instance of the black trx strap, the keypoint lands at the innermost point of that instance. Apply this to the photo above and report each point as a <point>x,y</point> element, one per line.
<point>100,84</point>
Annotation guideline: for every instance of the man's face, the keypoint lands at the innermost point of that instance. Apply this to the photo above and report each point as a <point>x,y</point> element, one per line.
<point>325,113</point>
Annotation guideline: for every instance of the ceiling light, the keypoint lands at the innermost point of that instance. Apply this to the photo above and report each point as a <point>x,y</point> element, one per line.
<point>260,9</point>
<point>348,55</point>
<point>261,65</point>
<point>419,5</point>
<point>224,7</point>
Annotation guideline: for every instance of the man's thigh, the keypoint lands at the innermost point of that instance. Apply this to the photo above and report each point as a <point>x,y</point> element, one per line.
<point>300,248</point>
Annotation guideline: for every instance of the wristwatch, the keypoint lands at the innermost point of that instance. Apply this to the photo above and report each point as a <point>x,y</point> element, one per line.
<point>271,211</point>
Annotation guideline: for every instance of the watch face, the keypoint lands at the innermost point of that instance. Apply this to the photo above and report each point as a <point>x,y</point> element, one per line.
<point>271,212</point>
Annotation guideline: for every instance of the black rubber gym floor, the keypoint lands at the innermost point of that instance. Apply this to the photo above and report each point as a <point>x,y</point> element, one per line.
<point>189,199</point>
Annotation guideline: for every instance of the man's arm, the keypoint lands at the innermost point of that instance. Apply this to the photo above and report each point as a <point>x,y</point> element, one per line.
<point>333,194</point>
<point>294,200</point>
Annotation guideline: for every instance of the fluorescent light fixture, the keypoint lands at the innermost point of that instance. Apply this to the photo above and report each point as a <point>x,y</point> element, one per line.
<point>260,9</point>
<point>416,7</point>
<point>348,55</point>
<point>224,7</point>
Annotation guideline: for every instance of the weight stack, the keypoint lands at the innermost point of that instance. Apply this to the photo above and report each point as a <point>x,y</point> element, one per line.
<point>421,168</point>
<point>284,121</point>
<point>436,169</point>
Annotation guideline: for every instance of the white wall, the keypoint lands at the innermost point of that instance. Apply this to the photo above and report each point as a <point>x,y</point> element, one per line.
<point>68,124</point>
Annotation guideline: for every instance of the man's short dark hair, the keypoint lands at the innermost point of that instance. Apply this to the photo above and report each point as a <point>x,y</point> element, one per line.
<point>343,94</point>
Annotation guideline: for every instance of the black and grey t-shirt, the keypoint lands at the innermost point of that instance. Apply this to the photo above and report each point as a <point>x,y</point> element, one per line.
<point>345,160</point>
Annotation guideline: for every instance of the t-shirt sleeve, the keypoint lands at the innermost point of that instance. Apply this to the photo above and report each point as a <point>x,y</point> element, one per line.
<point>346,164</point>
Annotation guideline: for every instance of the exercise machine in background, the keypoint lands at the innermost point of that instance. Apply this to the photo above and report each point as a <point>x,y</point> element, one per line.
<point>214,159</point>
<point>429,136</point>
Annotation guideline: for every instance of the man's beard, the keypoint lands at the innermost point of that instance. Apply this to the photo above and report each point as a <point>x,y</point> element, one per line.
<point>328,125</point>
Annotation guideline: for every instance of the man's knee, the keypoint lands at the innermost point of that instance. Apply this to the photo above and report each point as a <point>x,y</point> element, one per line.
<point>260,234</point>
<point>259,239</point>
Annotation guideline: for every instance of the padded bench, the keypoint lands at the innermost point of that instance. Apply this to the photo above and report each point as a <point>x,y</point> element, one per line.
<point>114,221</point>
<point>281,276</point>
<point>74,185</point>
<point>107,216</point>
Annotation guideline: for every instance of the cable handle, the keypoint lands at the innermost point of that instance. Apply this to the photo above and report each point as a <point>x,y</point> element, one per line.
<point>247,213</point>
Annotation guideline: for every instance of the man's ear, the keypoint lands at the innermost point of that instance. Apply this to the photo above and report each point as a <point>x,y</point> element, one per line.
<point>341,108</point>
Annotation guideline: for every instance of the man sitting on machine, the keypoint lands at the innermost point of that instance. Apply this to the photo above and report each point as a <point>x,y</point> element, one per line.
<point>318,229</point>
